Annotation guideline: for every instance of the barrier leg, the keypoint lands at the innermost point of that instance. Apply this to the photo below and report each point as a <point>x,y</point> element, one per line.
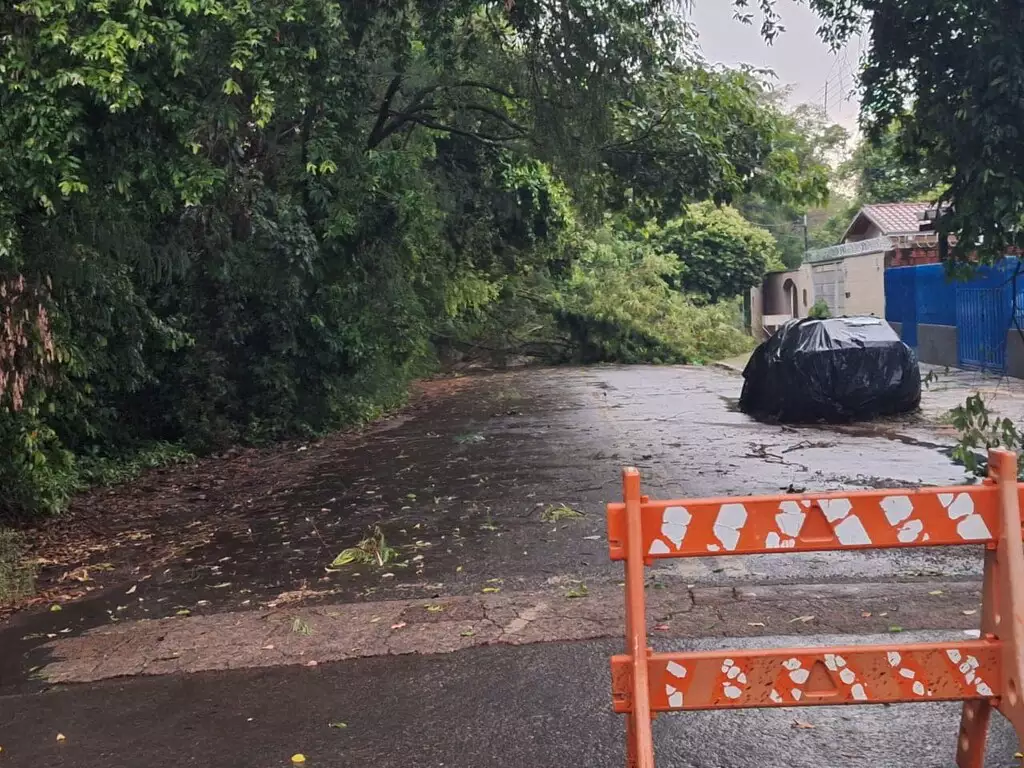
<point>1002,616</point>
<point>640,743</point>
<point>630,742</point>
<point>974,720</point>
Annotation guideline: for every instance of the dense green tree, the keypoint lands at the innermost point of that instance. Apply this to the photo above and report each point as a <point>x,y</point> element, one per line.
<point>883,171</point>
<point>237,221</point>
<point>812,142</point>
<point>721,255</point>
<point>690,134</point>
<point>948,79</point>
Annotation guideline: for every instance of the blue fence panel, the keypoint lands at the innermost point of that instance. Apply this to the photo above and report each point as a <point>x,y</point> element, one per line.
<point>901,302</point>
<point>934,295</point>
<point>981,308</point>
<point>984,314</point>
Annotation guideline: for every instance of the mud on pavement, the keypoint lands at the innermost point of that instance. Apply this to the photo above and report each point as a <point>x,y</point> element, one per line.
<point>475,487</point>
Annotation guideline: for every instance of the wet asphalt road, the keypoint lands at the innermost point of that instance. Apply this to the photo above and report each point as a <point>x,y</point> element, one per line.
<point>537,706</point>
<point>460,486</point>
<point>468,477</point>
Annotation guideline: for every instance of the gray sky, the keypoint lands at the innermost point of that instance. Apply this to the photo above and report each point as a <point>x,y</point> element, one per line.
<point>798,56</point>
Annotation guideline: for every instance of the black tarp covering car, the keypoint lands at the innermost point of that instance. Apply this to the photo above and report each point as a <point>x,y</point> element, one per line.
<point>840,369</point>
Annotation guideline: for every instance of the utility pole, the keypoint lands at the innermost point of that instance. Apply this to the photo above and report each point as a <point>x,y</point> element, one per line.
<point>806,243</point>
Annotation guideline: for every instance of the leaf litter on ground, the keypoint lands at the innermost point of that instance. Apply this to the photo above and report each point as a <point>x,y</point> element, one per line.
<point>371,550</point>
<point>555,513</point>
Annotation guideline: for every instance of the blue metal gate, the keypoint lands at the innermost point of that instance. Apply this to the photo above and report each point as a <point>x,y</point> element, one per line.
<point>984,316</point>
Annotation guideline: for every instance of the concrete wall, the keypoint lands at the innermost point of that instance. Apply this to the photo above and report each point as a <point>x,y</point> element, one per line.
<point>937,344</point>
<point>852,286</point>
<point>776,300</point>
<point>865,285</point>
<point>774,297</point>
<point>756,311</point>
<point>1014,354</point>
<point>829,280</point>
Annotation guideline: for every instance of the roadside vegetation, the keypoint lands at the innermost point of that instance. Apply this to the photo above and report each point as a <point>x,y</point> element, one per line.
<point>16,577</point>
<point>228,223</point>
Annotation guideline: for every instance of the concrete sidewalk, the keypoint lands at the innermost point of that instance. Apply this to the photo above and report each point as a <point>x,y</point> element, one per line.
<point>537,706</point>
<point>947,388</point>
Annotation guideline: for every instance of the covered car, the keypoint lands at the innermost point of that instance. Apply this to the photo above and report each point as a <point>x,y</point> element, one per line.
<point>839,369</point>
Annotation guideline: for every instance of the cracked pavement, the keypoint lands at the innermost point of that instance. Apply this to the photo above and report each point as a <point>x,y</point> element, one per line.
<point>312,636</point>
<point>481,616</point>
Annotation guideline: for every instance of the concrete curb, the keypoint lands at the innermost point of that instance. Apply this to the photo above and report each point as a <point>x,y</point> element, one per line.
<point>314,635</point>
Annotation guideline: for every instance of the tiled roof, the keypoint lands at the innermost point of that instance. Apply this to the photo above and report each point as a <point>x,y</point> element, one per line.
<point>895,218</point>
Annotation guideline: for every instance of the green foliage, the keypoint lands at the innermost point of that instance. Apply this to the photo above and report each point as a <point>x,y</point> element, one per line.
<point>234,222</point>
<point>721,255</point>
<point>691,134</point>
<point>812,144</point>
<point>881,169</point>
<point>886,170</point>
<point>820,310</point>
<point>556,513</point>
<point>620,304</point>
<point>946,79</point>
<point>373,549</point>
<point>979,430</point>
<point>113,470</point>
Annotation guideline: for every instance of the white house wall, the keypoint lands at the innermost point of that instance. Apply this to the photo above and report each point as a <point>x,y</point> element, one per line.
<point>852,286</point>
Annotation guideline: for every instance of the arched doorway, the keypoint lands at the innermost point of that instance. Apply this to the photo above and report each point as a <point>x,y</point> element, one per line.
<point>792,297</point>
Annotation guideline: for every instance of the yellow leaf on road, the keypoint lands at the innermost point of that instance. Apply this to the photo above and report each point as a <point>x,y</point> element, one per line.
<point>299,758</point>
<point>61,737</point>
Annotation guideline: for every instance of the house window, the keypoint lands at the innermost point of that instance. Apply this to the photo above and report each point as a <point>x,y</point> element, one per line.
<point>805,297</point>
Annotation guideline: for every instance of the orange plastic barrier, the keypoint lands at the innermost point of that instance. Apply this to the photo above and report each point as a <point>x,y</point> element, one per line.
<point>986,673</point>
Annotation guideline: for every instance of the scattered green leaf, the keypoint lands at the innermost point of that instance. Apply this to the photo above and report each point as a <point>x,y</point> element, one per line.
<point>372,550</point>
<point>557,512</point>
